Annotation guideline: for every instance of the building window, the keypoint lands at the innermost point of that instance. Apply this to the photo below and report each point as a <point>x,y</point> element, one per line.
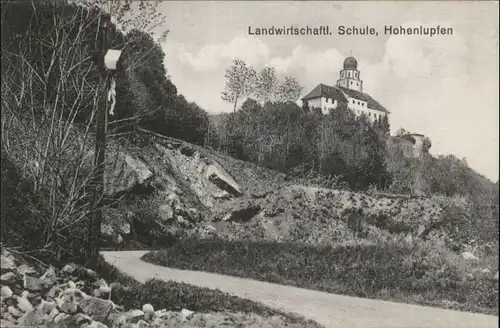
<point>369,114</point>
<point>357,84</point>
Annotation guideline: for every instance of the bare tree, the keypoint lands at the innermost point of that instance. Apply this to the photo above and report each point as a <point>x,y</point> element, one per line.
<point>43,100</point>
<point>51,93</point>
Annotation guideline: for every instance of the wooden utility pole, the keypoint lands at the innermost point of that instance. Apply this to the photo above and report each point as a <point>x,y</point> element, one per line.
<point>100,151</point>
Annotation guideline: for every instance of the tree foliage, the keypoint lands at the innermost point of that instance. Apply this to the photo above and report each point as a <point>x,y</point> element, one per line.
<point>280,135</point>
<point>240,80</point>
<point>243,81</point>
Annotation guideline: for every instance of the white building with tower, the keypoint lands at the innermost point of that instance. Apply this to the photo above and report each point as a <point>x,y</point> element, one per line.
<point>348,91</point>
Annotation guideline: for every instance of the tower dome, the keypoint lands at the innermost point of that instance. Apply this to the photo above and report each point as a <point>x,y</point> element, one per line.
<point>350,63</point>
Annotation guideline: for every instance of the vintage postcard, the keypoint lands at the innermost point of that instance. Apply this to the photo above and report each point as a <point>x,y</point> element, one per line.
<point>250,163</point>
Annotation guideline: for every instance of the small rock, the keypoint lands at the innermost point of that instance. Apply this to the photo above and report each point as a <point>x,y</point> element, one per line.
<point>95,324</point>
<point>165,212</point>
<point>53,314</point>
<point>134,315</point>
<point>34,298</point>
<point>54,291</point>
<point>60,317</point>
<point>469,256</point>
<point>97,308</point>
<point>31,319</point>
<point>68,269</point>
<point>6,263</point>
<point>119,321</point>
<point>15,312</point>
<point>91,274</point>
<point>46,307</point>
<point>50,276</point>
<point>102,292</point>
<point>181,220</point>
<point>71,284</point>
<point>77,320</point>
<point>6,292</point>
<point>496,276</point>
<point>162,313</point>
<point>33,284</point>
<point>7,323</point>
<point>142,324</point>
<point>186,314</point>
<point>7,316</point>
<point>24,304</point>
<point>100,283</point>
<point>67,304</point>
<point>8,277</point>
<point>24,268</point>
<point>485,271</point>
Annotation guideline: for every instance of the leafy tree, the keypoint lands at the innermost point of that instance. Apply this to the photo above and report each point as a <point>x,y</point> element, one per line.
<point>266,85</point>
<point>289,90</point>
<point>240,81</point>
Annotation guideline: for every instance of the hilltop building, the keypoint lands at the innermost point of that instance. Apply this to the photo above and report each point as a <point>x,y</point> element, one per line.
<point>347,91</point>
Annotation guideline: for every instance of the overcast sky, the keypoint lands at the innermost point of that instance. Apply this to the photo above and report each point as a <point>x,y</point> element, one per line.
<point>445,87</point>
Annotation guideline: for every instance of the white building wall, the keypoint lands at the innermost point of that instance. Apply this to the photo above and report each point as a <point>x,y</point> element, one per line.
<point>313,103</point>
<point>356,105</point>
<point>326,104</point>
<point>360,106</point>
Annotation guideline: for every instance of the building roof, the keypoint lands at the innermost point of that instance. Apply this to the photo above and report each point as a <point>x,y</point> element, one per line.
<point>371,103</point>
<point>323,90</point>
<point>350,63</point>
<point>339,94</point>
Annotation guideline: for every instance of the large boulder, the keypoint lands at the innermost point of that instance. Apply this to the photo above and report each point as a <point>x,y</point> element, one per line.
<point>125,173</point>
<point>218,176</point>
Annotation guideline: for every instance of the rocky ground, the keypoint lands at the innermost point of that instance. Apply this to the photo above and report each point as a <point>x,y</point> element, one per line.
<point>191,190</point>
<point>76,297</point>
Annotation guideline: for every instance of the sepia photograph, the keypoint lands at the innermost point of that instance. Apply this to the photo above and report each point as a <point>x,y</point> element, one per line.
<point>262,164</point>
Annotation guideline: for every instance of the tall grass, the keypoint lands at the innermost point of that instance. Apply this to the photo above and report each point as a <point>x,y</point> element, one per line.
<point>422,274</point>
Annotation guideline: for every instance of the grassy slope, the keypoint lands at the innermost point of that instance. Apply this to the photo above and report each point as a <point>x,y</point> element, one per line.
<point>391,271</point>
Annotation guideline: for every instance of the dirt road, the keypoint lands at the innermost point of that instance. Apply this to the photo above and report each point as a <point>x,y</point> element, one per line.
<point>326,309</point>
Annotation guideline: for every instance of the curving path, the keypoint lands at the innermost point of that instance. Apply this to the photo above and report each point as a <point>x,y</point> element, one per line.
<point>329,310</point>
